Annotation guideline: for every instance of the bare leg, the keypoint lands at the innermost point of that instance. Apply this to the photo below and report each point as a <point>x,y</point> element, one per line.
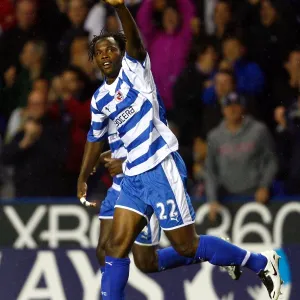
<point>145,258</point>
<point>125,228</point>
<point>105,229</point>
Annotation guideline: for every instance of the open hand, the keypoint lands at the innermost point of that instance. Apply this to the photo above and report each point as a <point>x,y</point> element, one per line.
<point>114,2</point>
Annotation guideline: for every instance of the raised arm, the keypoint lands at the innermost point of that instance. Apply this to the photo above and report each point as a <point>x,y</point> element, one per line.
<point>187,11</point>
<point>144,20</point>
<point>134,44</point>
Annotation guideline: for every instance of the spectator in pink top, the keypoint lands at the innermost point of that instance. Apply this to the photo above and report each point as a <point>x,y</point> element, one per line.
<point>169,47</point>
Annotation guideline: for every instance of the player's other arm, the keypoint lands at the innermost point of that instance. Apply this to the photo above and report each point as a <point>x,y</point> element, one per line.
<point>134,45</point>
<point>93,147</point>
<point>91,155</point>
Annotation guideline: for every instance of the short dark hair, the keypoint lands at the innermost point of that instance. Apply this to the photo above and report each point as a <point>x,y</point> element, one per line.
<point>118,36</point>
<point>79,73</point>
<point>226,2</point>
<point>202,48</point>
<point>228,73</point>
<point>236,37</point>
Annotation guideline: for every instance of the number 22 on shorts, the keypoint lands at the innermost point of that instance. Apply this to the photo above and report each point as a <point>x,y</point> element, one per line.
<point>173,214</point>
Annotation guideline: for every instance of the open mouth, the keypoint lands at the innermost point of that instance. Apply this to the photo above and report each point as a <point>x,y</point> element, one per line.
<point>107,65</point>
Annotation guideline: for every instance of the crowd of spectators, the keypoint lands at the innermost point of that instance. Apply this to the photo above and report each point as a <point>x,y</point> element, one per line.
<point>228,72</point>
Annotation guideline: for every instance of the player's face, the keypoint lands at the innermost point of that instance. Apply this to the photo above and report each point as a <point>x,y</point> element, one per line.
<point>108,57</point>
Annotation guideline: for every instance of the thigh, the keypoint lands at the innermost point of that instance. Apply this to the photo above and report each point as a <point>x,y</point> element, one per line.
<point>167,194</point>
<point>184,240</point>
<point>126,226</point>
<point>105,231</point>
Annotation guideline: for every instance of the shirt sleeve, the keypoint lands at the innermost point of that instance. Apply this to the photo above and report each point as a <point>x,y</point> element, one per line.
<point>99,124</point>
<point>137,73</point>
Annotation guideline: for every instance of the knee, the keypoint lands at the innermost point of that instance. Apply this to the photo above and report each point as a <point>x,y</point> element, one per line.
<point>142,265</point>
<point>116,247</point>
<point>147,265</point>
<point>186,249</point>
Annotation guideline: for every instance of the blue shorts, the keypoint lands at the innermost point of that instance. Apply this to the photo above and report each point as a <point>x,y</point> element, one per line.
<point>108,204</point>
<point>149,236</point>
<point>161,190</point>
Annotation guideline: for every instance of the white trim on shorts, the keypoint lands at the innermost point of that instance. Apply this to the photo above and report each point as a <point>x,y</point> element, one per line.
<point>105,217</point>
<point>179,226</point>
<point>134,210</point>
<point>172,174</point>
<point>146,245</point>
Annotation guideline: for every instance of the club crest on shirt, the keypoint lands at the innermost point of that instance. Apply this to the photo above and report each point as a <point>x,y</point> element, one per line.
<point>119,96</point>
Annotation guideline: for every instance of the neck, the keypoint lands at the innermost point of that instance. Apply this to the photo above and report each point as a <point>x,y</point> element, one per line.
<point>110,80</point>
<point>35,71</point>
<point>220,30</point>
<point>170,30</point>
<point>234,126</point>
<point>294,79</point>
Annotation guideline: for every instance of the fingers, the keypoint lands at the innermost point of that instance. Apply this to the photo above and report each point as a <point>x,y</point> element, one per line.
<point>94,171</point>
<point>108,159</point>
<point>87,203</point>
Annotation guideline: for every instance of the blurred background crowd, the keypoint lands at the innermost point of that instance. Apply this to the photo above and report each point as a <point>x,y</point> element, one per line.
<point>227,71</point>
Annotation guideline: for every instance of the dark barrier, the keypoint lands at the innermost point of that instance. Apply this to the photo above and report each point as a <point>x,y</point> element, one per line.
<point>47,253</point>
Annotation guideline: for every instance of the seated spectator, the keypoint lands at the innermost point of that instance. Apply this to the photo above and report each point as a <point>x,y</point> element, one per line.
<point>285,88</point>
<point>13,40</point>
<point>37,153</point>
<point>288,145</point>
<point>168,48</point>
<point>223,21</point>
<point>223,84</point>
<point>249,77</point>
<point>32,59</point>
<point>188,90</point>
<point>79,58</point>
<point>269,40</point>
<point>76,11</point>
<point>34,109</point>
<point>240,157</point>
<point>71,104</point>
